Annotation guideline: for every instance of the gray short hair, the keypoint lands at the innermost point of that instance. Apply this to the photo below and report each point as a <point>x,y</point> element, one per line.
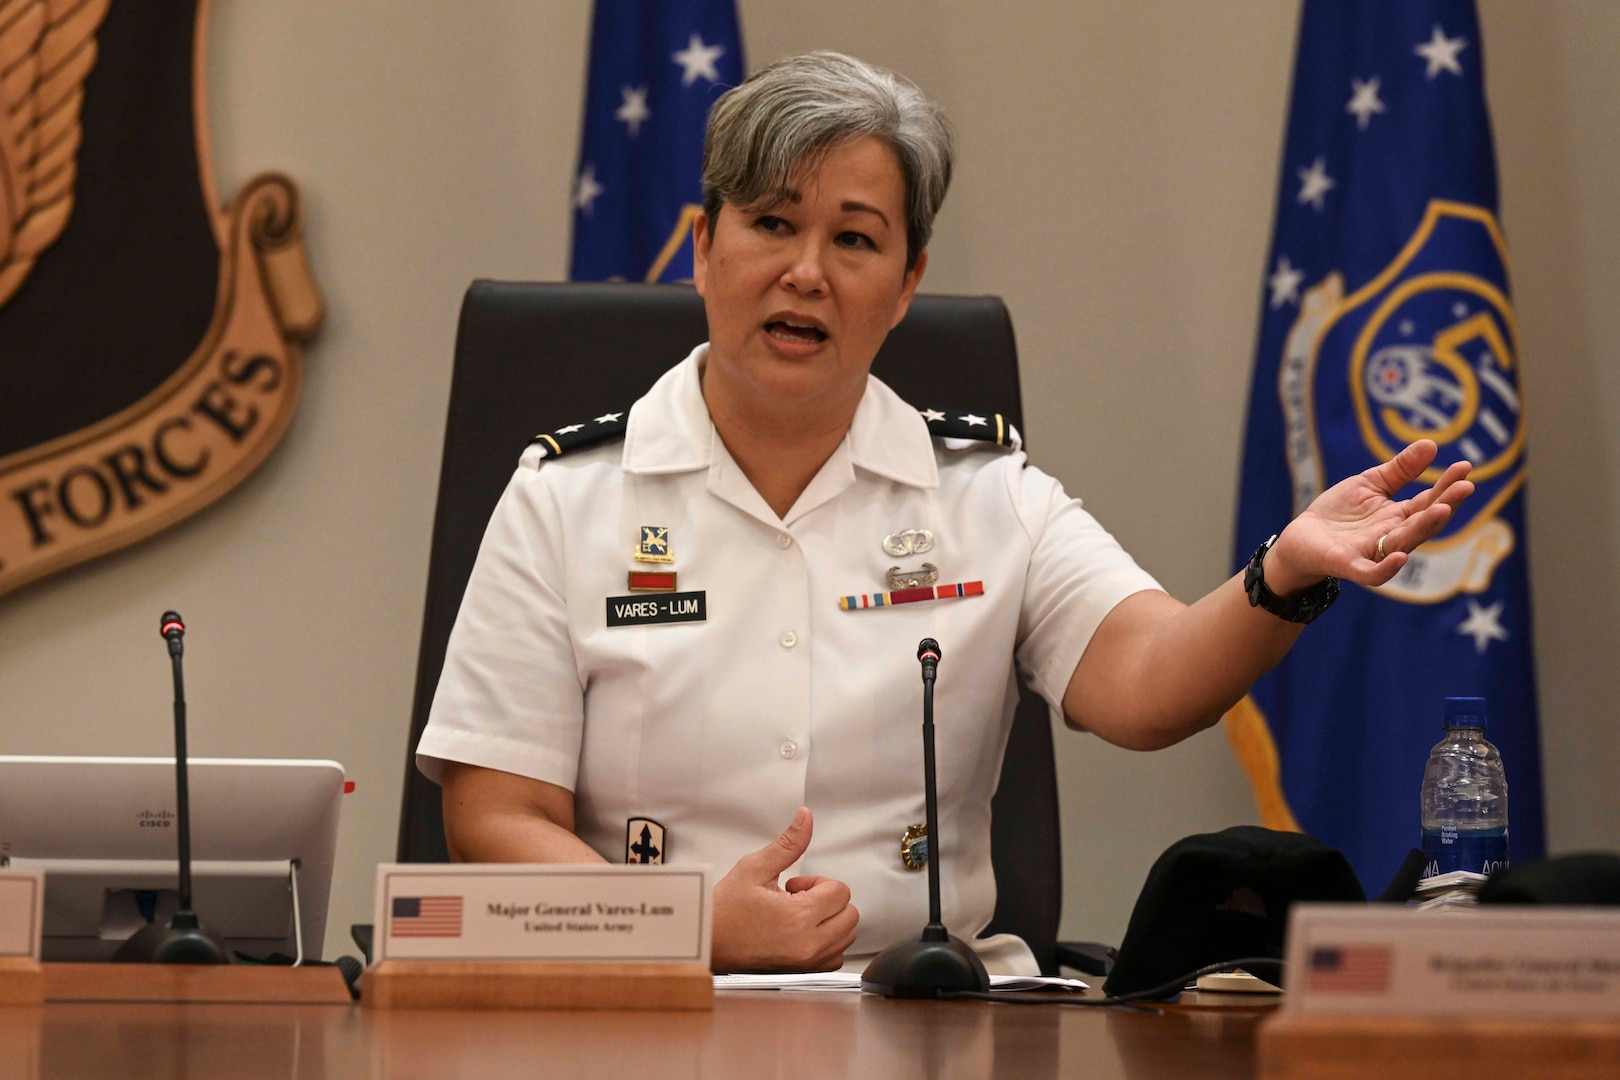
<point>789,115</point>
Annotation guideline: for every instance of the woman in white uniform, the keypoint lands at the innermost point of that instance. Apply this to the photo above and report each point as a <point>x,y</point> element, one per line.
<point>780,484</point>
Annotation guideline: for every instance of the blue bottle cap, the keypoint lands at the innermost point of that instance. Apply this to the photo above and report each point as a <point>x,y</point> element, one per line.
<point>1465,712</point>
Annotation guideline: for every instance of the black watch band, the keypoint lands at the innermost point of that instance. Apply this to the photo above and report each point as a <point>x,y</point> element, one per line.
<point>1300,609</point>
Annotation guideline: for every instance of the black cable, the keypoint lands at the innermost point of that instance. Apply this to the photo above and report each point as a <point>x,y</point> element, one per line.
<point>351,969</point>
<point>1154,993</point>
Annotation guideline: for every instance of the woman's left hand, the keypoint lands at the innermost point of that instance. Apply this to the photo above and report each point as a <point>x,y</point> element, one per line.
<point>1339,534</point>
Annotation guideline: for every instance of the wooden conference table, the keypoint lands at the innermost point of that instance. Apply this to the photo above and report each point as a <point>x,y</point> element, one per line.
<point>753,1034</point>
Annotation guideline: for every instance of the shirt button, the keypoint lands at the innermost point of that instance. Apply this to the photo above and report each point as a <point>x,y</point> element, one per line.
<point>788,639</point>
<point>789,748</point>
<point>784,541</point>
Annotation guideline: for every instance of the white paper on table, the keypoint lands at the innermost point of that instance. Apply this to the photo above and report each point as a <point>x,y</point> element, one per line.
<point>1463,879</point>
<point>851,980</point>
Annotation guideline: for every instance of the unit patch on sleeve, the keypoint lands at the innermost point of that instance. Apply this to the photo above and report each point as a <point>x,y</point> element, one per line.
<point>644,842</point>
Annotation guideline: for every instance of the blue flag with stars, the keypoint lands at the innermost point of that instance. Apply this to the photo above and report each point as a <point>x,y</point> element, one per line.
<point>656,66</point>
<point>1387,317</point>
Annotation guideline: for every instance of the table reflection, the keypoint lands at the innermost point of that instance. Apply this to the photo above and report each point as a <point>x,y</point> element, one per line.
<point>749,1034</point>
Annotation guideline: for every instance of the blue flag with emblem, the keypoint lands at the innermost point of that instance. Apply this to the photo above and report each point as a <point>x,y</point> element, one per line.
<point>656,66</point>
<point>1387,317</point>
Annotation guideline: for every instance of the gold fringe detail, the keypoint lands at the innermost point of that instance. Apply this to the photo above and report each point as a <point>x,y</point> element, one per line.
<point>1256,752</point>
<point>677,237</point>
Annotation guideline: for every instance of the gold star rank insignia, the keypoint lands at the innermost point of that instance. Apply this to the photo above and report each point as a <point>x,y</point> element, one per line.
<point>654,546</point>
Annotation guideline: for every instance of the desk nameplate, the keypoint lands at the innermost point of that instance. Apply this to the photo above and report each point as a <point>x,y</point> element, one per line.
<point>1515,963</point>
<point>1302,1046</point>
<point>195,984</point>
<point>22,913</point>
<point>563,913</point>
<point>1491,993</point>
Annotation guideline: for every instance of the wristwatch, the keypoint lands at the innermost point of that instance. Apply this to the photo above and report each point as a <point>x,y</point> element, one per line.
<point>1302,608</point>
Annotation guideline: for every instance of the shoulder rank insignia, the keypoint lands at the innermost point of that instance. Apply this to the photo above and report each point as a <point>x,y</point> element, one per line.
<point>569,437</point>
<point>963,424</point>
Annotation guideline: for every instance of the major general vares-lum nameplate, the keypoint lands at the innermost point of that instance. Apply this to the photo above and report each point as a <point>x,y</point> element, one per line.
<point>543,912</point>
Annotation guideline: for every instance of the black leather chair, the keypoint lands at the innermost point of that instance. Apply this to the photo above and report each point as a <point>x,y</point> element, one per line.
<point>533,357</point>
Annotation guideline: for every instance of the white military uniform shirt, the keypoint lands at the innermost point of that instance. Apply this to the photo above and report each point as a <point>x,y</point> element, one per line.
<point>721,729</point>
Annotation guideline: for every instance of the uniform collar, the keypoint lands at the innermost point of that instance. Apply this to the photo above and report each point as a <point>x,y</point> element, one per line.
<point>669,431</point>
<point>890,438</point>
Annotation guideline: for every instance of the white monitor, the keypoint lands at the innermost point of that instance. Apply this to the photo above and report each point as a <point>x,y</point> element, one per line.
<point>263,837</point>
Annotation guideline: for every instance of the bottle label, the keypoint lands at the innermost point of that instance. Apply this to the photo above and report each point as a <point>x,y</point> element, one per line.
<point>1484,851</point>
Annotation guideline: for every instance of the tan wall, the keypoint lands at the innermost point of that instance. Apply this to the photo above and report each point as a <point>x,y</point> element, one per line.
<point>1116,186</point>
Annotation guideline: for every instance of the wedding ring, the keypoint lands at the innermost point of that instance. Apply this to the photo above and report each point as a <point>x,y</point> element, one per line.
<point>1380,556</point>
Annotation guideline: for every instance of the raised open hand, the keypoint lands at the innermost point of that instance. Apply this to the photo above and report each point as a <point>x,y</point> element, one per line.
<point>1355,530</point>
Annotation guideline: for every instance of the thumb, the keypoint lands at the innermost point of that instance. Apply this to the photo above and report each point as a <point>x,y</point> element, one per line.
<point>769,861</point>
<point>1405,466</point>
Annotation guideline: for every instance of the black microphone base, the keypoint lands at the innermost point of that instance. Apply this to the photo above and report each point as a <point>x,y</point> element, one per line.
<point>925,969</point>
<point>157,943</point>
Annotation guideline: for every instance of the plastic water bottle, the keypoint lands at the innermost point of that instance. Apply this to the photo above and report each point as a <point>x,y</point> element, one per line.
<point>1465,806</point>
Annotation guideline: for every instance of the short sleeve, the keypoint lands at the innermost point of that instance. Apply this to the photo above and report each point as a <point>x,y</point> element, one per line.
<point>1077,573</point>
<point>509,696</point>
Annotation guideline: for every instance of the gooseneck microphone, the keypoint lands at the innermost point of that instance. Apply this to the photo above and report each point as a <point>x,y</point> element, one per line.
<point>173,631</point>
<point>183,940</point>
<point>936,962</point>
<point>928,653</point>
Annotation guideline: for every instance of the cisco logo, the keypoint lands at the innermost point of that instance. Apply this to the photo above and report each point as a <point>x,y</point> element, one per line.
<point>154,819</point>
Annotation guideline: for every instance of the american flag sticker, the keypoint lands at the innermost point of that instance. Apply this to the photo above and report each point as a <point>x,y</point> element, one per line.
<point>425,916</point>
<point>1350,969</point>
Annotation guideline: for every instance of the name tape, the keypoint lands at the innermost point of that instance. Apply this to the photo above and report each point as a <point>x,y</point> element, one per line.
<point>1378,959</point>
<point>22,913</point>
<point>643,610</point>
<point>542,912</point>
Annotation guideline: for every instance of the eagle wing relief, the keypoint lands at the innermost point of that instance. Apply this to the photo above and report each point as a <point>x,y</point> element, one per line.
<point>47,48</point>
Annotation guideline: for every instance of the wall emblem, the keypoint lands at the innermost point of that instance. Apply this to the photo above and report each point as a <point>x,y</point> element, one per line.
<point>149,336</point>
